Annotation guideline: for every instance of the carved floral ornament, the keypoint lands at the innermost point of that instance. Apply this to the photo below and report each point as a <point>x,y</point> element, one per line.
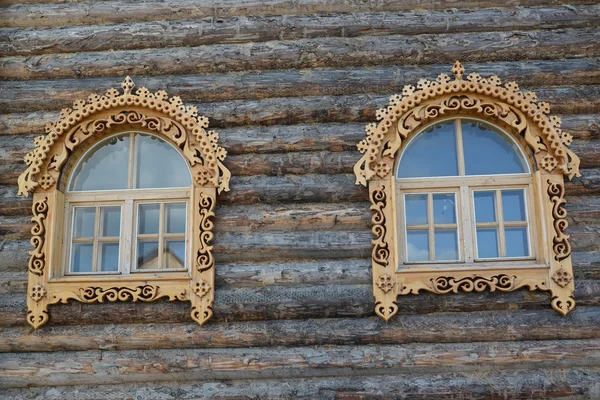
<point>522,116</point>
<point>88,122</point>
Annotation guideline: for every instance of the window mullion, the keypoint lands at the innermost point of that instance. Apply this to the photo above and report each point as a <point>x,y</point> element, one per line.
<point>467,225</point>
<point>128,240</point>
<point>161,236</point>
<point>431,226</point>
<point>96,255</point>
<point>459,147</point>
<point>500,217</point>
<point>131,161</point>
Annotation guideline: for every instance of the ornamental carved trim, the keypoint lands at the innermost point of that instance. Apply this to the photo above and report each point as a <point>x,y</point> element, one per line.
<point>136,107</point>
<point>561,246</point>
<point>37,259</point>
<point>55,153</point>
<point>486,97</point>
<point>522,116</point>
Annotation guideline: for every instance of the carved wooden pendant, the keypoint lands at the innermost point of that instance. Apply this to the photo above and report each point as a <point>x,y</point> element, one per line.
<point>50,162</point>
<point>529,123</point>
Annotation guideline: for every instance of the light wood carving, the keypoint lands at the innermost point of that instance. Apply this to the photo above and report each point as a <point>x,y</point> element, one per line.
<point>85,124</point>
<point>518,113</point>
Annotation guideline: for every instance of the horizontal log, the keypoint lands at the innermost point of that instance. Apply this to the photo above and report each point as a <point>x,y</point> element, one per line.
<point>486,326</point>
<point>284,302</point>
<point>20,96</point>
<point>576,383</point>
<point>325,109</point>
<point>310,53</point>
<point>111,12</point>
<point>203,31</point>
<point>108,367</point>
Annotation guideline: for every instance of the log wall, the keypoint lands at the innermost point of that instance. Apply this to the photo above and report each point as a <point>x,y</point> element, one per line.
<point>290,86</point>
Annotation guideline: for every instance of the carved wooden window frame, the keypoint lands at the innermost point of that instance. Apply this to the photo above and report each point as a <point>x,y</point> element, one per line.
<point>528,122</point>
<point>85,124</point>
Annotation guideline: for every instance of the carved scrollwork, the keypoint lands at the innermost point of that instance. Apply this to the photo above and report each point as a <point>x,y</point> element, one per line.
<point>381,251</point>
<point>204,258</point>
<point>145,293</point>
<point>152,111</point>
<point>487,97</point>
<point>562,248</point>
<point>501,282</point>
<point>37,259</point>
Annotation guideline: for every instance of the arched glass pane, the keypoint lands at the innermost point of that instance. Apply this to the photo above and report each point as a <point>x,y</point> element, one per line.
<point>488,151</point>
<point>159,165</point>
<point>431,153</point>
<point>104,168</point>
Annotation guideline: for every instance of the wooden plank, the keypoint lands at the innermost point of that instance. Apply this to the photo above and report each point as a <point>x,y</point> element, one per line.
<point>283,302</point>
<point>110,12</point>
<point>576,383</point>
<point>484,326</point>
<point>324,109</point>
<point>108,367</point>
<point>20,96</point>
<point>202,31</point>
<point>310,53</point>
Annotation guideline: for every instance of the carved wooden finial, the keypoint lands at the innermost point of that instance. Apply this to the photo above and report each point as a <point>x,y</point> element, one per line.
<point>127,85</point>
<point>458,70</point>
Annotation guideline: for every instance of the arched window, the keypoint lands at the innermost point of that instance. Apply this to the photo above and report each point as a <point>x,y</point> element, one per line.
<point>466,183</point>
<point>464,195</point>
<point>124,188</point>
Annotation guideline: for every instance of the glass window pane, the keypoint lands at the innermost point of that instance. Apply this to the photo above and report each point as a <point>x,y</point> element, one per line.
<point>487,150</point>
<point>109,257</point>
<point>81,257</point>
<point>485,206</point>
<point>431,153</point>
<point>446,244</point>
<point>175,254</point>
<point>148,218</point>
<point>487,243</point>
<point>417,245</point>
<point>176,217</point>
<point>444,211</point>
<point>111,221</point>
<point>84,220</point>
<point>517,244</point>
<point>159,165</point>
<point>104,168</point>
<point>513,205</point>
<point>147,255</point>
<point>416,209</point>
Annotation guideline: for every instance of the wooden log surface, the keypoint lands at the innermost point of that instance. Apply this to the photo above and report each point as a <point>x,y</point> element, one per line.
<point>75,12</point>
<point>481,326</point>
<point>243,29</point>
<point>21,96</point>
<point>310,53</point>
<point>283,302</point>
<point>97,368</point>
<point>321,109</point>
<point>574,383</point>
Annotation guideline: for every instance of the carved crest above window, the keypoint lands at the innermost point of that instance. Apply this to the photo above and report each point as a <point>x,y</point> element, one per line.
<point>124,189</point>
<point>465,178</point>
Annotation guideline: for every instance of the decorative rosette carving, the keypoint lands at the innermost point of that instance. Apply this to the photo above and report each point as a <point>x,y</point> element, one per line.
<point>37,292</point>
<point>486,96</point>
<point>154,111</point>
<point>562,277</point>
<point>201,288</point>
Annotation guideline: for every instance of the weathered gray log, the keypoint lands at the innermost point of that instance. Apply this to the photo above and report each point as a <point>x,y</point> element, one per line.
<point>203,31</point>
<point>21,96</point>
<point>292,110</point>
<point>574,383</point>
<point>486,326</point>
<point>111,12</point>
<point>109,367</point>
<point>284,302</point>
<point>310,53</point>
